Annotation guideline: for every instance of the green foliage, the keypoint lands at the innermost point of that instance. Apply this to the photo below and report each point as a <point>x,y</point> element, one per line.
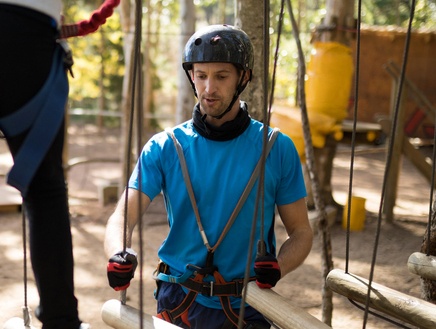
<point>99,62</point>
<point>397,13</point>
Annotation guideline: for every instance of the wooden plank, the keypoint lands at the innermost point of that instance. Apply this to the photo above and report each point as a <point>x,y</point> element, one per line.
<point>16,323</point>
<point>279,310</point>
<point>10,199</point>
<point>417,158</point>
<point>119,316</point>
<point>422,265</point>
<point>412,310</point>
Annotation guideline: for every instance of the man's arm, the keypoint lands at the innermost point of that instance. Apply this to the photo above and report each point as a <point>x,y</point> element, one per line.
<point>114,237</point>
<point>297,246</point>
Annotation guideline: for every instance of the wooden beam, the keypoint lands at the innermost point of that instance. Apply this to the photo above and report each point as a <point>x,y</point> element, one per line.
<point>412,310</point>
<point>10,200</point>
<point>279,310</point>
<point>16,323</point>
<point>119,316</point>
<point>423,265</point>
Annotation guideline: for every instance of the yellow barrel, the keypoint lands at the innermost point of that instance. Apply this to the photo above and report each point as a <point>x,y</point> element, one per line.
<point>321,125</point>
<point>357,214</point>
<point>329,79</point>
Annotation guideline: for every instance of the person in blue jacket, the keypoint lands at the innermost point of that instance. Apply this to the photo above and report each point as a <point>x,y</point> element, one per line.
<point>206,170</point>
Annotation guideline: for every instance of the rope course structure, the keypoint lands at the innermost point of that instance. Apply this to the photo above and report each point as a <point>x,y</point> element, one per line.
<point>400,306</point>
<point>276,308</point>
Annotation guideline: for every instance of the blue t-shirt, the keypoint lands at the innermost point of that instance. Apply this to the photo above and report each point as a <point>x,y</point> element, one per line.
<point>219,172</point>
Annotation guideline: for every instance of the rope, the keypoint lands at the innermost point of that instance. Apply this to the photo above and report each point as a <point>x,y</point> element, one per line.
<point>389,158</point>
<point>432,210</point>
<point>136,95</point>
<point>353,135</point>
<point>388,162</point>
<point>139,128</point>
<point>26,316</point>
<point>260,191</point>
<point>84,27</point>
<point>327,262</point>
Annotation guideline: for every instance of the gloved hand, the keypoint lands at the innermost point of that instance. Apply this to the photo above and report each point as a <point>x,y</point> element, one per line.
<point>121,269</point>
<point>267,271</point>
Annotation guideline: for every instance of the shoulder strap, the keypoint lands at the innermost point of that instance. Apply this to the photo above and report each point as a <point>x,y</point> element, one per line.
<point>242,199</point>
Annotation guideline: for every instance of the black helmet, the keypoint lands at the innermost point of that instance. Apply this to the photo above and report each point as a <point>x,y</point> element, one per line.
<point>219,43</point>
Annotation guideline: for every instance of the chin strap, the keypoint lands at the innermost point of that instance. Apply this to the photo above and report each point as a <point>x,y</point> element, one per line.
<point>84,27</point>
<point>239,90</point>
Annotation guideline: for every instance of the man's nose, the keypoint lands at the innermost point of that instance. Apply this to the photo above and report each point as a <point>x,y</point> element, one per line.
<point>210,86</point>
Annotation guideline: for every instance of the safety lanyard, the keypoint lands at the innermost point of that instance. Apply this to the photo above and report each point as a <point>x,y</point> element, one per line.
<point>242,199</point>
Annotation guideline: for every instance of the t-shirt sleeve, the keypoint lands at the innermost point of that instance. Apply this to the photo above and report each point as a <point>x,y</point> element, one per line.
<point>291,186</point>
<point>147,176</point>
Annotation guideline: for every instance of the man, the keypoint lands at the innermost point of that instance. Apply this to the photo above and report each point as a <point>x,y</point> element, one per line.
<point>202,167</point>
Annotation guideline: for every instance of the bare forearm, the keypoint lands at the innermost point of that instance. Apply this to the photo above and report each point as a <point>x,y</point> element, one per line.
<point>114,238</point>
<point>294,250</point>
<point>119,228</point>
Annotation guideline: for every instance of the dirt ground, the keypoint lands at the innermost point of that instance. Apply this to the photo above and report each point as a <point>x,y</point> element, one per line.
<point>302,287</point>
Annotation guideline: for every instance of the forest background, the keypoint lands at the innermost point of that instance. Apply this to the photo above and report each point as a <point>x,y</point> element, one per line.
<point>99,67</point>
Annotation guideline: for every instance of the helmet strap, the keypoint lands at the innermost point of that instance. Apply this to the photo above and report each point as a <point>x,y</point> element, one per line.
<point>191,82</point>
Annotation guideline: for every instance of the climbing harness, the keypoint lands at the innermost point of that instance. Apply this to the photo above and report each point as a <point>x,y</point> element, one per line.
<point>42,116</point>
<point>193,277</point>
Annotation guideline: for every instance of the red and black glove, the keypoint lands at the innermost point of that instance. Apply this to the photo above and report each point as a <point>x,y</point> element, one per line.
<point>267,271</point>
<point>121,269</point>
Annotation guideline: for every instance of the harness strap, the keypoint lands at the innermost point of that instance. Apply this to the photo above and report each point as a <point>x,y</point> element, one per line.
<point>42,116</point>
<point>181,311</point>
<point>220,287</point>
<point>225,302</point>
<point>241,200</point>
<point>232,288</point>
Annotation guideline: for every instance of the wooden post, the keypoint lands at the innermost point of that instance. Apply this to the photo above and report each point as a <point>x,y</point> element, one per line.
<point>279,310</point>
<point>393,172</point>
<point>423,265</point>
<point>412,310</point>
<point>119,316</point>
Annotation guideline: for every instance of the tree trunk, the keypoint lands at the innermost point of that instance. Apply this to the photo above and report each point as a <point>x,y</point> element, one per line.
<point>127,14</point>
<point>250,18</point>
<point>185,97</point>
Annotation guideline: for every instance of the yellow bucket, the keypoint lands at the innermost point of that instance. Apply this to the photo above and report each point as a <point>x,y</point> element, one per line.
<point>357,214</point>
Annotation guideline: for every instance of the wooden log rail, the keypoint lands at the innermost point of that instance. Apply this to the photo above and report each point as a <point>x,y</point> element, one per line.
<point>279,310</point>
<point>422,265</point>
<point>119,316</point>
<point>409,309</point>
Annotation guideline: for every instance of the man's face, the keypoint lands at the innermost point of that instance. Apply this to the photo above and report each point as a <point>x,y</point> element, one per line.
<point>216,85</point>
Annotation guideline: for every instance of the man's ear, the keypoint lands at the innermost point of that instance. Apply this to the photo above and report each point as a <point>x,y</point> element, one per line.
<point>247,76</point>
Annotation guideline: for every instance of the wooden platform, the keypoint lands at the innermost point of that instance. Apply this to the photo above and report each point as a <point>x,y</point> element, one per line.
<point>10,199</point>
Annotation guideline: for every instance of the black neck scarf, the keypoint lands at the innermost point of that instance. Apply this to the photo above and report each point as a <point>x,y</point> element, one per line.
<point>227,131</point>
